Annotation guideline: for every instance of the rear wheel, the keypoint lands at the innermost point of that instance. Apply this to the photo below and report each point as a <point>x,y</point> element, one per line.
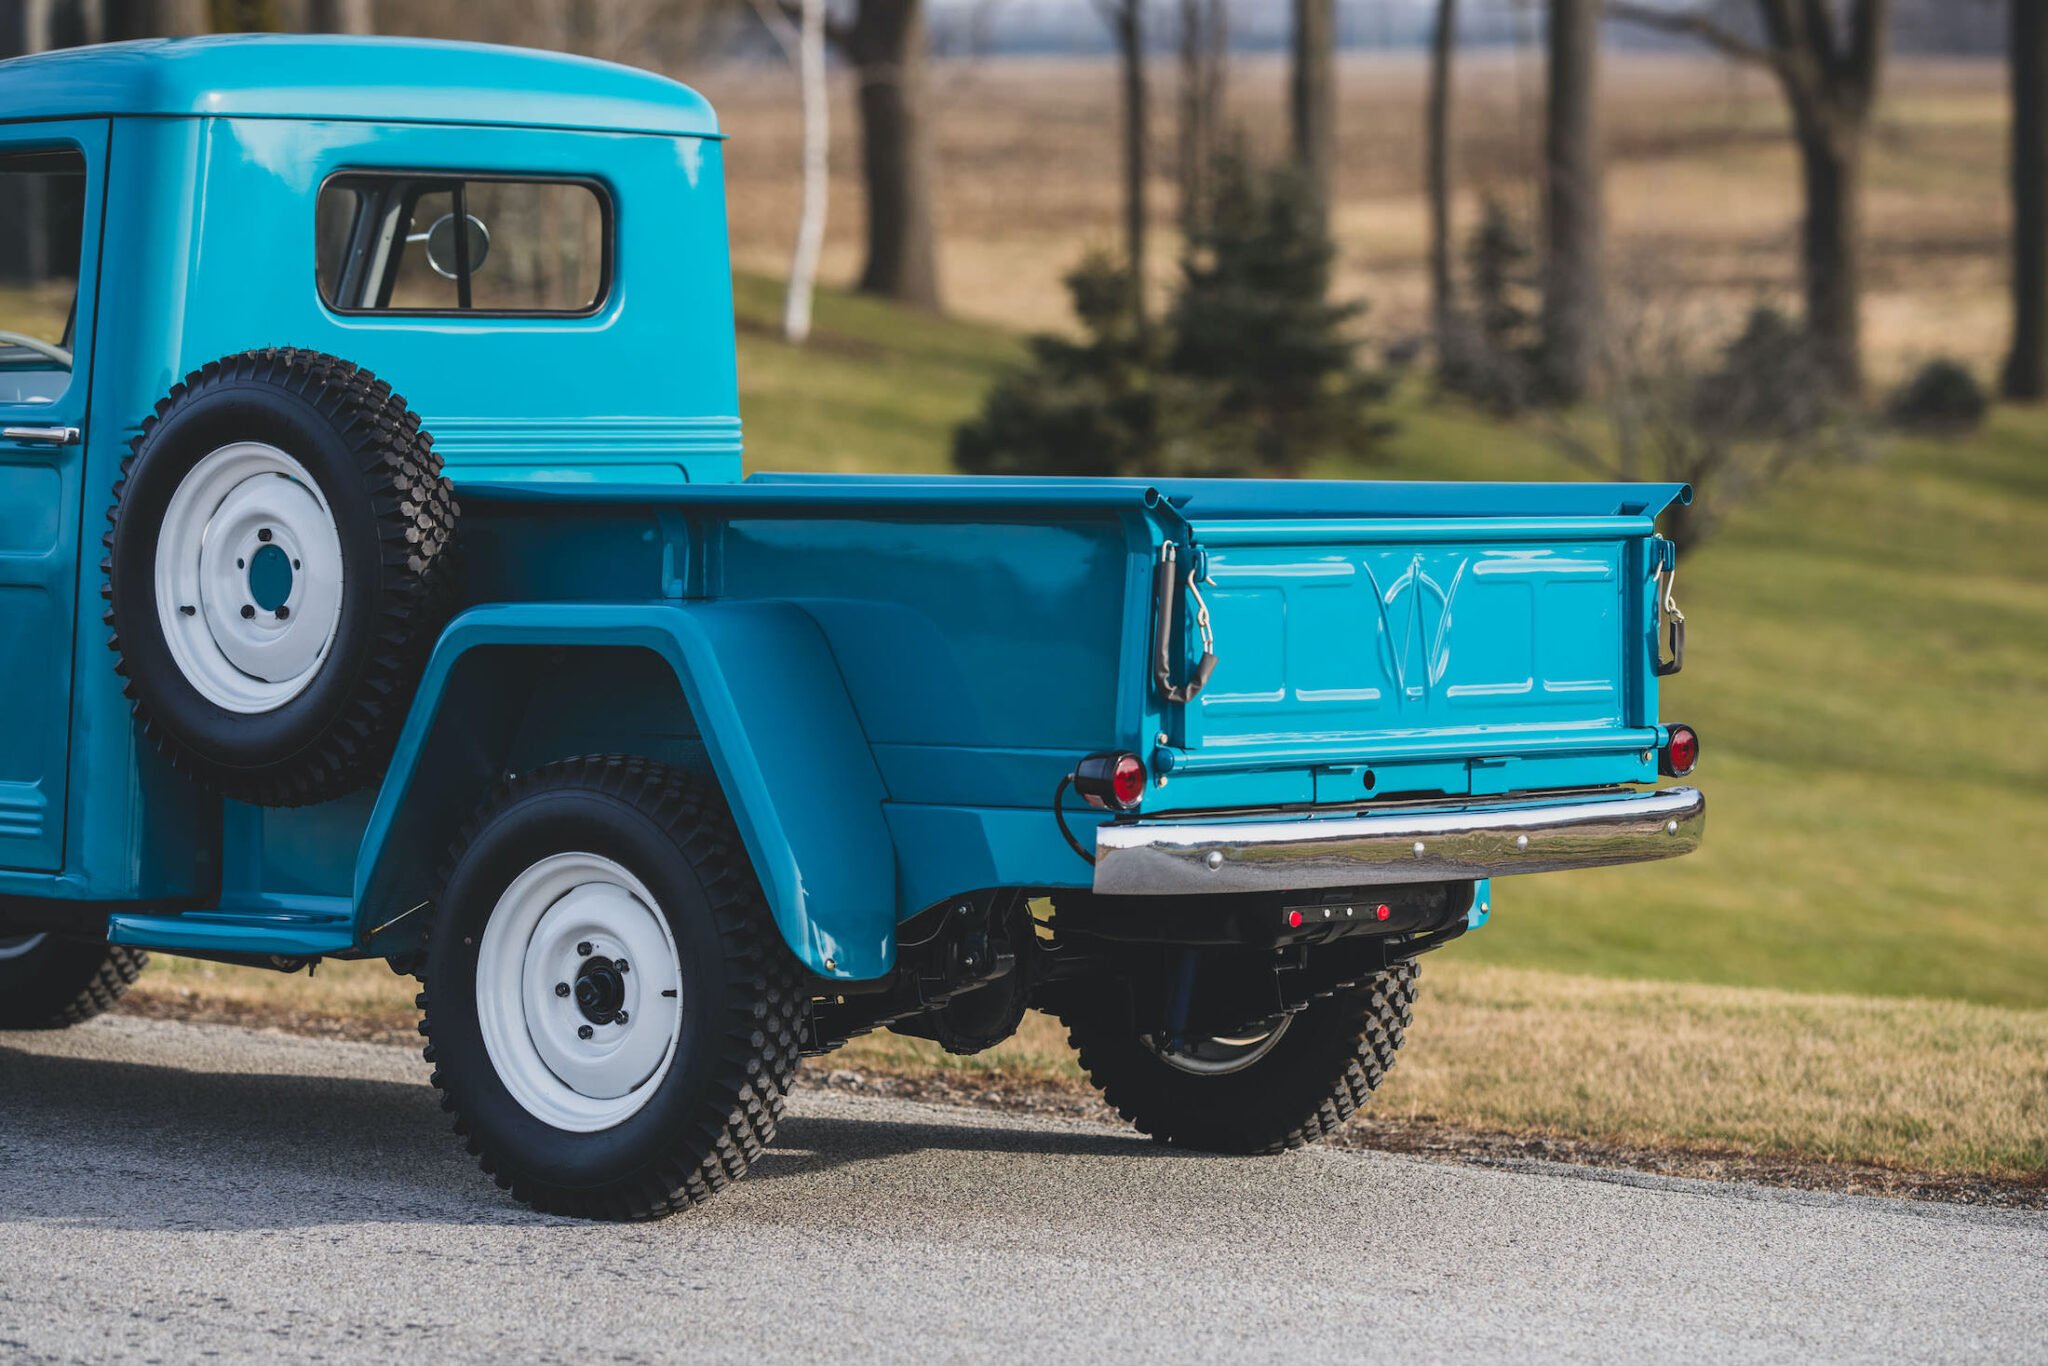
<point>51,983</point>
<point>612,1017</point>
<point>1278,1084</point>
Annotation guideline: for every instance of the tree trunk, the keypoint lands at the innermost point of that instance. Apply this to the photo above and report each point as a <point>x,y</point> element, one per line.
<point>2026,366</point>
<point>1204,48</point>
<point>810,231</point>
<point>1442,292</point>
<point>243,16</point>
<point>887,45</point>
<point>338,16</point>
<point>1572,209</point>
<point>1831,247</point>
<point>1312,100</point>
<point>1130,43</point>
<point>154,18</point>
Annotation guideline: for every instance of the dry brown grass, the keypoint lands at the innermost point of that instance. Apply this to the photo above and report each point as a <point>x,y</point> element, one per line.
<point>1932,1086</point>
<point>1702,192</point>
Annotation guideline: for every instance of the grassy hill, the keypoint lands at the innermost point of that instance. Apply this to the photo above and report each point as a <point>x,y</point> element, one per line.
<point>1869,647</point>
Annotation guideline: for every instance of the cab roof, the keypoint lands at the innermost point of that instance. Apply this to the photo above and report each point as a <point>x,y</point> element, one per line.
<point>380,80</point>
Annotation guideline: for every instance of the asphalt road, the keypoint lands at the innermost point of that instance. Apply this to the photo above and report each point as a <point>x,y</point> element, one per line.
<point>168,1191</point>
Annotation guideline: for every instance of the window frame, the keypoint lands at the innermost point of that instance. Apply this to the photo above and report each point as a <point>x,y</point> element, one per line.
<point>448,179</point>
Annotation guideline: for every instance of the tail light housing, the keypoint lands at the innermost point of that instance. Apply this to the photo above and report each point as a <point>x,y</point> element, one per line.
<point>1112,780</point>
<point>1681,752</point>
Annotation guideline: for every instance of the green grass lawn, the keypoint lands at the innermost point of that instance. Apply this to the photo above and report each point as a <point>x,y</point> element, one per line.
<point>1869,651</point>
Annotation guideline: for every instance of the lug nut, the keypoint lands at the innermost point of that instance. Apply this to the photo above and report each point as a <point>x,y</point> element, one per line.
<point>561,988</point>
<point>584,1031</point>
<point>621,1018</point>
<point>623,966</point>
<point>248,611</point>
<point>283,612</point>
<point>263,535</point>
<point>583,949</point>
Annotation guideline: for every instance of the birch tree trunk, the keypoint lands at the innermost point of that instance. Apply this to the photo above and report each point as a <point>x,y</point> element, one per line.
<point>810,230</point>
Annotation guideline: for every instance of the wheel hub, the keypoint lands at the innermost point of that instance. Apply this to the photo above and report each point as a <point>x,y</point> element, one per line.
<point>600,990</point>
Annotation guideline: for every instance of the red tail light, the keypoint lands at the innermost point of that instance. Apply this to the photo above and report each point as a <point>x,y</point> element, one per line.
<point>1681,752</point>
<point>1113,780</point>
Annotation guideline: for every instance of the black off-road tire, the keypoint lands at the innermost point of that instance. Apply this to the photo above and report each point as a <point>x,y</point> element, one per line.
<point>395,517</point>
<point>716,1108</point>
<point>52,983</point>
<point>1333,1055</point>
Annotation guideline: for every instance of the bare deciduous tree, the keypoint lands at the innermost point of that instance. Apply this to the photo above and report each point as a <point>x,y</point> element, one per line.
<point>1312,101</point>
<point>1828,68</point>
<point>2026,365</point>
<point>804,44</point>
<point>886,43</point>
<point>1573,286</point>
<point>1204,53</point>
<point>1442,292</point>
<point>1126,20</point>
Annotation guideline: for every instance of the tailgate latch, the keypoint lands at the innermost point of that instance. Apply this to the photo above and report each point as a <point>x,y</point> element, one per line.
<point>1664,584</point>
<point>1166,583</point>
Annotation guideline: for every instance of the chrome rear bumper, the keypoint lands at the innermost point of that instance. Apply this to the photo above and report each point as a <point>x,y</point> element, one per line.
<point>1437,843</point>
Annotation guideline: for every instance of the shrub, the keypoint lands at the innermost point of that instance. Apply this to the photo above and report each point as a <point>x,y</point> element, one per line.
<point>1758,410</point>
<point>1086,408</point>
<point>1254,332</point>
<point>1253,370</point>
<point>1942,396</point>
<point>1491,351</point>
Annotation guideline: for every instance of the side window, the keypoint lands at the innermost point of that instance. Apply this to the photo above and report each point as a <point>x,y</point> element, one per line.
<point>387,242</point>
<point>42,220</point>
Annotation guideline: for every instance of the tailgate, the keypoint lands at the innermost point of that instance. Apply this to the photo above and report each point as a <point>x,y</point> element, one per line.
<point>1378,657</point>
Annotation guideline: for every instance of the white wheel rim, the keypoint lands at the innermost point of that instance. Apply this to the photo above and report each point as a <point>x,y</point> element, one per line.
<point>535,944</point>
<point>1221,1056</point>
<point>249,578</point>
<point>20,946</point>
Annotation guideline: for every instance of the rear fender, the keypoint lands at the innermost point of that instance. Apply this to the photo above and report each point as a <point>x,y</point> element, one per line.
<point>764,699</point>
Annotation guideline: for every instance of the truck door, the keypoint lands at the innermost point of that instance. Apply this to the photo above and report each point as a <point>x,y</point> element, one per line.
<point>52,176</point>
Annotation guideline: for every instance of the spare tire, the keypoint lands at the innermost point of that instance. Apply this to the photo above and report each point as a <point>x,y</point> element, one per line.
<point>275,571</point>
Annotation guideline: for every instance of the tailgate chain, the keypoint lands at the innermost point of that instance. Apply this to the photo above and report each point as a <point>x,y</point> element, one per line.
<point>1165,582</point>
<point>1665,587</point>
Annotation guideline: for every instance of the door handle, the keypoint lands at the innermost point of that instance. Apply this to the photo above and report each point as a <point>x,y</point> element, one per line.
<point>42,436</point>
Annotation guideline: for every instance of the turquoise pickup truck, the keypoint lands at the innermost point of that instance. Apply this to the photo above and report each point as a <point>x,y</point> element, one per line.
<point>378,580</point>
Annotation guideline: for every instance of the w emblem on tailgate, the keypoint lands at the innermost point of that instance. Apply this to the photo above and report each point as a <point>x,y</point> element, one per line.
<point>1415,617</point>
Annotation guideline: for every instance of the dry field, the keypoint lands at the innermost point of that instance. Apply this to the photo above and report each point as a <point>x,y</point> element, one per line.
<point>1702,190</point>
<point>1936,1087</point>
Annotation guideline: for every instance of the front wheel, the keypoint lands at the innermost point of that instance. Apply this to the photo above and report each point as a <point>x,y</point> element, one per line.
<point>612,1018</point>
<point>1280,1084</point>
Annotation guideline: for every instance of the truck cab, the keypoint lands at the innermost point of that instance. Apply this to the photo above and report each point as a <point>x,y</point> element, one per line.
<point>381,580</point>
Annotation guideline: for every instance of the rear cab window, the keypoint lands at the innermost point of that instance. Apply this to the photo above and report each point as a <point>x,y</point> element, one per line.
<point>42,225</point>
<point>386,243</point>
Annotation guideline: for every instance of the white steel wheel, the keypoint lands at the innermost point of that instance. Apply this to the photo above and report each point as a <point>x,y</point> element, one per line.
<point>1216,1057</point>
<point>249,578</point>
<point>579,992</point>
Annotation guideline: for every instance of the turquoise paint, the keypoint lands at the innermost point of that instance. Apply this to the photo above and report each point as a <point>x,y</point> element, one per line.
<point>886,675</point>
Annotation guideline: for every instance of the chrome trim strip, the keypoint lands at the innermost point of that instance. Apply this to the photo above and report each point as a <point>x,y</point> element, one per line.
<point>1414,844</point>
